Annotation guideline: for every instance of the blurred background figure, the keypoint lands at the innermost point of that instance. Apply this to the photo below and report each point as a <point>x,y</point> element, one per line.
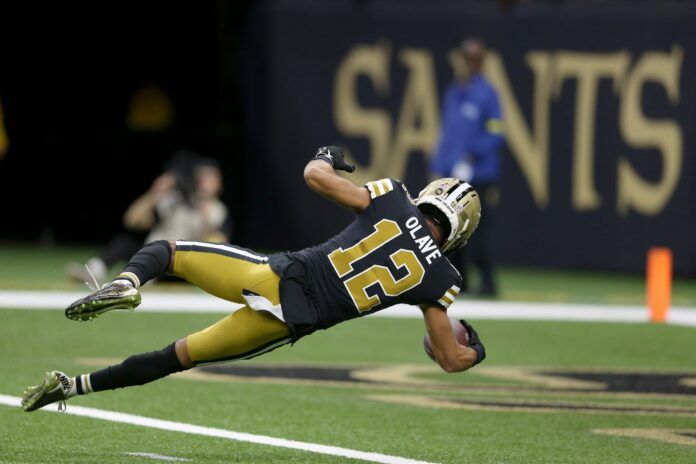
<point>183,203</point>
<point>469,149</point>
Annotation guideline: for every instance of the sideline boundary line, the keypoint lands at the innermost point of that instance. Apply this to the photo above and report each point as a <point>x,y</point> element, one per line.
<point>470,309</point>
<point>183,427</point>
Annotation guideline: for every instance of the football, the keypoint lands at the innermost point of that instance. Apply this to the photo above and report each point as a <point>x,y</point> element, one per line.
<point>460,334</point>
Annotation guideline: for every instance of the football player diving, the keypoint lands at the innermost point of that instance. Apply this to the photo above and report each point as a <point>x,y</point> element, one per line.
<point>394,252</point>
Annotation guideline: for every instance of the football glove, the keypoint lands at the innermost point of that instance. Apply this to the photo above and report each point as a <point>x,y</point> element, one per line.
<point>475,342</point>
<point>334,156</point>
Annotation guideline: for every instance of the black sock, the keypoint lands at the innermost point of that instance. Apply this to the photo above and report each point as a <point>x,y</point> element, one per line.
<point>137,370</point>
<point>150,262</point>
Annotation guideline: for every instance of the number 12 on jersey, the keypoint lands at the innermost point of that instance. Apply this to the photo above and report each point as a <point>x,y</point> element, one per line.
<point>357,286</point>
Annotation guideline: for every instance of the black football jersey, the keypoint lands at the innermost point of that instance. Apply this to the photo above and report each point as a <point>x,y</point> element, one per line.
<point>385,257</point>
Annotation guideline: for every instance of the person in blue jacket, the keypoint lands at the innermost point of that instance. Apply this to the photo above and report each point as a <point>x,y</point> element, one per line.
<point>469,149</point>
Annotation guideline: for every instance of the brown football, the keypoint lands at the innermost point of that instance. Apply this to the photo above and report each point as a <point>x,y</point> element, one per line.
<point>460,334</point>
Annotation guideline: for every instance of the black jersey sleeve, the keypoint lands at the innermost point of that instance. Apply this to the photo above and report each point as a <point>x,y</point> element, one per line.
<point>445,284</point>
<point>448,296</point>
<point>384,188</point>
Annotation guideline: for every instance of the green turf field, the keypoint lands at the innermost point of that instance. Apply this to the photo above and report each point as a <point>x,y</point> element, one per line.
<point>548,392</point>
<point>526,404</point>
<point>31,267</point>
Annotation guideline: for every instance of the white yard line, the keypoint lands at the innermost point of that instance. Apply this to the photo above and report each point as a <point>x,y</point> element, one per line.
<point>470,309</point>
<point>183,427</point>
<point>152,301</point>
<point>159,457</point>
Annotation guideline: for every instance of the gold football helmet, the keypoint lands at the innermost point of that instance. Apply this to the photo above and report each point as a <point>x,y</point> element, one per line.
<point>455,206</point>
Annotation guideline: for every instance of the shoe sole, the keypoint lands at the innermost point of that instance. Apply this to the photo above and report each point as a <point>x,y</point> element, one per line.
<point>31,399</point>
<point>87,311</point>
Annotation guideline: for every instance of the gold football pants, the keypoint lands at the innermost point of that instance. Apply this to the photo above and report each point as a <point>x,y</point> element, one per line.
<point>226,271</point>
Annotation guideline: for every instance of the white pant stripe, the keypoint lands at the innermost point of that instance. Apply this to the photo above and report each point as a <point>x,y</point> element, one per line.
<point>227,248</point>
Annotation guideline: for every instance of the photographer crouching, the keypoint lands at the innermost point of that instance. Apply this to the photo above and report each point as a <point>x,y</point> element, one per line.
<point>183,202</point>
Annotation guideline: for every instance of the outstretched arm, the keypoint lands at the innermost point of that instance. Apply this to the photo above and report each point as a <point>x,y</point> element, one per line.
<point>320,175</point>
<point>450,355</point>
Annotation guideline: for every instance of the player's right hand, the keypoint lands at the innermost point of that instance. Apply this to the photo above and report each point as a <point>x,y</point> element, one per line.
<point>475,341</point>
<point>333,155</point>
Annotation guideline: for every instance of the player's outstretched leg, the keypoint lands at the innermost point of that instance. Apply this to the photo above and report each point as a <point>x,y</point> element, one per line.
<point>135,370</point>
<point>150,262</point>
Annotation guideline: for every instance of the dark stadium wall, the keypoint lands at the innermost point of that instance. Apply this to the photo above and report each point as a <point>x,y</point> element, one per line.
<point>74,157</point>
<point>599,104</point>
<point>599,107</point>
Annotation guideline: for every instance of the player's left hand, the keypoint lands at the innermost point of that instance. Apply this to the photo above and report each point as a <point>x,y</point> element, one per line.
<point>333,155</point>
<point>475,341</point>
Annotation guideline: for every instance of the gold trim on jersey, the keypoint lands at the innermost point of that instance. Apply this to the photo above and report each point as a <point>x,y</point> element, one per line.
<point>378,188</point>
<point>449,296</point>
<point>403,259</point>
<point>342,260</point>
